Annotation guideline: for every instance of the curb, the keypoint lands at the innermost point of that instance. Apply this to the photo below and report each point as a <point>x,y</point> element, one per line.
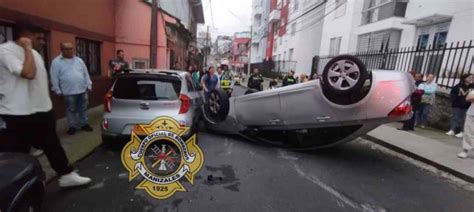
<point>419,158</point>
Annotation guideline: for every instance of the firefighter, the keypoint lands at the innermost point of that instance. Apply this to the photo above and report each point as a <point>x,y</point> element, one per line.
<point>255,80</point>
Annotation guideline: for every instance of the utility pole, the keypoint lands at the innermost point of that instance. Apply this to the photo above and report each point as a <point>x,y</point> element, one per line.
<point>207,45</point>
<point>250,51</point>
<point>153,33</point>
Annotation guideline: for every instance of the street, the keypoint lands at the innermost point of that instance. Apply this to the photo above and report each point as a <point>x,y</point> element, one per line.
<point>240,175</point>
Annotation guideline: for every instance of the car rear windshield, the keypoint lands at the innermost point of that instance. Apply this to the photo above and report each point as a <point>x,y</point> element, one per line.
<point>147,88</point>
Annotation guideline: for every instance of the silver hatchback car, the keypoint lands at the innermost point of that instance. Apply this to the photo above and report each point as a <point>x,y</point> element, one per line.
<point>140,96</point>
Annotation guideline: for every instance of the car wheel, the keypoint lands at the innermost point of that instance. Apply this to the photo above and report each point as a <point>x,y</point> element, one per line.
<point>250,90</point>
<point>218,105</point>
<point>344,74</point>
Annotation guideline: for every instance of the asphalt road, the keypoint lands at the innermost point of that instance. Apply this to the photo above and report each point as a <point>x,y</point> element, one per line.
<point>239,175</point>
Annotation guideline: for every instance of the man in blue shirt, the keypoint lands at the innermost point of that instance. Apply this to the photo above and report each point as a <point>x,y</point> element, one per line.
<point>70,78</point>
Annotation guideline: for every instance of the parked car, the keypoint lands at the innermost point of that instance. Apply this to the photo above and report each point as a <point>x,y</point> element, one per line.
<point>139,96</point>
<point>21,183</point>
<point>347,102</point>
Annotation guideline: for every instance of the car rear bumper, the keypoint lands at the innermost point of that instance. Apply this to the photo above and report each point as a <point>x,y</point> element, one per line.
<point>121,126</point>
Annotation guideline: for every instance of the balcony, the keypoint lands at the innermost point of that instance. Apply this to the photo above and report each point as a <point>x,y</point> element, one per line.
<point>258,11</point>
<point>274,16</point>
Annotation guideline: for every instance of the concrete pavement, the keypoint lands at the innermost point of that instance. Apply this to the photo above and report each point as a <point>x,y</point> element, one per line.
<point>428,145</point>
<point>77,146</point>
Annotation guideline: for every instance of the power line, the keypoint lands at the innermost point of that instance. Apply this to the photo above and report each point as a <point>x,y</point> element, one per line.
<point>308,11</point>
<point>320,19</point>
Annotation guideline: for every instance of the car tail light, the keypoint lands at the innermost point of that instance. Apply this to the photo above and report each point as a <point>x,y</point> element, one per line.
<point>402,109</point>
<point>185,103</point>
<point>108,101</point>
<point>105,124</point>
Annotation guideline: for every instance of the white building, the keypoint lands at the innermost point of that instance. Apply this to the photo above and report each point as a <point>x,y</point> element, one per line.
<point>366,25</point>
<point>295,45</point>
<point>260,12</point>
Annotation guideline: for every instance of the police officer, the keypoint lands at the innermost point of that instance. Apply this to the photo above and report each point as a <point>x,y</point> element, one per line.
<point>255,80</point>
<point>290,79</point>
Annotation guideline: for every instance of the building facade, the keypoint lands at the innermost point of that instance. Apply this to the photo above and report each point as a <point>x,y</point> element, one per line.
<point>385,24</point>
<point>260,12</point>
<point>98,29</point>
<point>294,34</point>
<point>240,50</point>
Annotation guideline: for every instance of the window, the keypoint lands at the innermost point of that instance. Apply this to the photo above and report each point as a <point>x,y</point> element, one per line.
<point>439,39</point>
<point>190,84</point>
<point>295,5</point>
<point>138,63</point>
<point>422,41</point>
<point>147,88</point>
<point>6,33</point>
<point>379,41</point>
<point>284,55</point>
<point>340,8</point>
<point>89,52</point>
<point>334,46</point>
<point>290,54</point>
<point>280,40</point>
<point>293,29</point>
<point>377,10</point>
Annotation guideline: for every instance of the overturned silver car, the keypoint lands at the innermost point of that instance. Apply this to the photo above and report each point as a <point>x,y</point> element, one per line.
<point>347,102</point>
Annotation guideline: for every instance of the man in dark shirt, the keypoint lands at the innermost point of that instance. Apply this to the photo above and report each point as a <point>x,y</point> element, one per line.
<point>119,64</point>
<point>255,80</point>
<point>290,79</point>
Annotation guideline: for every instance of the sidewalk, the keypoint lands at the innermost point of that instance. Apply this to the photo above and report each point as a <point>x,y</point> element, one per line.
<point>77,146</point>
<point>430,146</point>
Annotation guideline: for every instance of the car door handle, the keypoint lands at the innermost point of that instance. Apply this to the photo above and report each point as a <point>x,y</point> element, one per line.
<point>323,118</point>
<point>274,121</point>
<point>145,105</point>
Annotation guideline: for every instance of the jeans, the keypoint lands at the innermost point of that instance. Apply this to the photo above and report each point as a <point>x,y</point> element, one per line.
<point>423,113</point>
<point>457,120</point>
<point>38,130</point>
<point>76,108</point>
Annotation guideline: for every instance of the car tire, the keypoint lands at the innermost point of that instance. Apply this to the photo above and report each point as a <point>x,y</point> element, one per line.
<point>218,105</point>
<point>250,90</point>
<point>344,74</point>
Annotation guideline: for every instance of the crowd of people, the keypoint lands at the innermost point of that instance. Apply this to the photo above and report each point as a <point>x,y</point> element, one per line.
<point>423,101</point>
<point>25,104</point>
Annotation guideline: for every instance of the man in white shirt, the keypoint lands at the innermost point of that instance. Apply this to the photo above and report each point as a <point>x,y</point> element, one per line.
<point>25,105</point>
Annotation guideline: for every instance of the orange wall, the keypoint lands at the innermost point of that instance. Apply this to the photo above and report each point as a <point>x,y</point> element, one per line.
<point>93,15</point>
<point>132,31</point>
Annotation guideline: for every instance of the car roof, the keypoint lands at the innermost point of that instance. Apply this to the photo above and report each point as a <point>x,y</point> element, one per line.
<point>156,72</point>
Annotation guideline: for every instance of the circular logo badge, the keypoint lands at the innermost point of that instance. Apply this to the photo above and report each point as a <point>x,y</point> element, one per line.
<point>162,157</point>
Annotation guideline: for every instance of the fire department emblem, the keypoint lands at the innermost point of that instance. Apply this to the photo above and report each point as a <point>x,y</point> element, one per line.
<point>159,157</point>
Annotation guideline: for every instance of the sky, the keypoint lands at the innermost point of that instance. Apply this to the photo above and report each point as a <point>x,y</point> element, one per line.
<point>227,17</point>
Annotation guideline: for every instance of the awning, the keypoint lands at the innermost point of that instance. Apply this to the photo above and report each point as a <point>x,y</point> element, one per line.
<point>429,20</point>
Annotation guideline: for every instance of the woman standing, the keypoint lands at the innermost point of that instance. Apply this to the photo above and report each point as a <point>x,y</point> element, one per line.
<point>459,104</point>
<point>427,100</point>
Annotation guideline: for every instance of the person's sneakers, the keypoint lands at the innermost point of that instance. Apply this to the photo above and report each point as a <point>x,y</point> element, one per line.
<point>36,152</point>
<point>71,131</point>
<point>459,135</point>
<point>87,128</point>
<point>450,133</point>
<point>422,126</point>
<point>73,179</point>
<point>462,155</point>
